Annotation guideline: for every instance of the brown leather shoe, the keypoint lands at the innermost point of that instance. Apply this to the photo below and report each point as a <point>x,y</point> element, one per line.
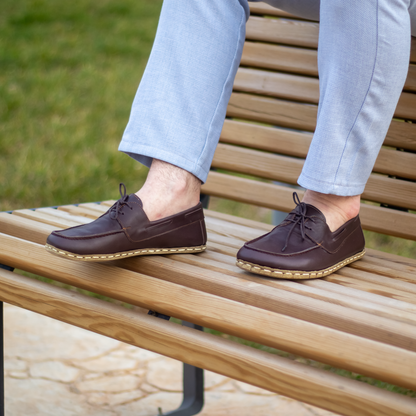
<point>303,246</point>
<point>125,231</point>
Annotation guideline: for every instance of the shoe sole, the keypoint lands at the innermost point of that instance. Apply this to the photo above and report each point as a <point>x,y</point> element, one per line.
<point>296,274</point>
<point>124,254</point>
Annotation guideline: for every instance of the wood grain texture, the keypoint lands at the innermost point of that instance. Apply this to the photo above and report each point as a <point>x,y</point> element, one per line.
<point>263,9</point>
<point>276,84</point>
<point>280,58</point>
<point>204,350</point>
<point>83,211</point>
<point>273,111</point>
<point>373,218</point>
<point>401,135</point>
<point>267,10</point>
<point>375,359</point>
<point>406,107</point>
<point>242,290</point>
<point>287,169</point>
<point>298,115</point>
<point>25,228</point>
<point>232,219</point>
<point>283,31</point>
<point>292,143</point>
<point>302,89</point>
<point>406,286</point>
<point>46,218</point>
<point>410,84</point>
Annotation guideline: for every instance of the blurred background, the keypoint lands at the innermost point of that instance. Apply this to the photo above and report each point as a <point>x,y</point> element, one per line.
<point>68,75</point>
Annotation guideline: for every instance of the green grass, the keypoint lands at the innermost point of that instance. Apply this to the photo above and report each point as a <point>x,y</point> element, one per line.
<point>69,72</point>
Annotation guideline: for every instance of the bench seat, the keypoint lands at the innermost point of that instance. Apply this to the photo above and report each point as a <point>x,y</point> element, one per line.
<point>362,318</point>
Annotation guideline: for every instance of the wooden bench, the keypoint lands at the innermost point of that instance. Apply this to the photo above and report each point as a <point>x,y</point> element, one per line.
<point>361,319</point>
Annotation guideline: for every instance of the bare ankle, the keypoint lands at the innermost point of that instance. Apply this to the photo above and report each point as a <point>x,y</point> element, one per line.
<point>168,190</point>
<point>337,209</point>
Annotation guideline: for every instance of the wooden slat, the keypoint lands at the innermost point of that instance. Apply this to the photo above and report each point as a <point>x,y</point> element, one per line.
<point>272,295</point>
<point>406,107</point>
<point>281,58</point>
<point>44,217</point>
<point>272,111</point>
<point>410,84</point>
<point>22,228</point>
<point>295,60</point>
<point>237,231</point>
<point>387,221</point>
<point>390,191</point>
<point>97,208</point>
<point>401,135</point>
<point>272,139</point>
<point>267,10</point>
<point>206,351</point>
<point>256,163</point>
<point>283,31</point>
<point>231,219</point>
<point>287,169</point>
<point>393,162</point>
<point>404,309</point>
<point>308,306</point>
<point>61,214</point>
<point>394,258</point>
<point>297,144</point>
<point>227,244</point>
<point>275,84</point>
<point>394,271</point>
<point>158,267</point>
<point>370,287</point>
<point>375,359</point>
<point>406,286</point>
<point>287,113</point>
<point>82,211</point>
<point>303,89</point>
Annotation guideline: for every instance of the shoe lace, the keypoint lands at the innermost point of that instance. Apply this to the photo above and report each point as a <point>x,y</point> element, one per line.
<point>115,209</point>
<point>299,218</point>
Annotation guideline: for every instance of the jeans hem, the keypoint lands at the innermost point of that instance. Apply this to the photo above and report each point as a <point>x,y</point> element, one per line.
<point>330,188</point>
<point>145,154</point>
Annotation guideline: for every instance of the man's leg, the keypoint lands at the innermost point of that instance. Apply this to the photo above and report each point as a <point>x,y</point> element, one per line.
<point>363,59</point>
<point>175,125</point>
<point>363,62</point>
<point>180,106</point>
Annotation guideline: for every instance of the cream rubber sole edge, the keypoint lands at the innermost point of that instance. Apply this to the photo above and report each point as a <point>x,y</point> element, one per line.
<point>296,274</point>
<point>124,254</point>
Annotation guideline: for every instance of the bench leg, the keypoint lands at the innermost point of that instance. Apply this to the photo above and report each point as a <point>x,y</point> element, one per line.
<point>2,411</point>
<point>193,387</point>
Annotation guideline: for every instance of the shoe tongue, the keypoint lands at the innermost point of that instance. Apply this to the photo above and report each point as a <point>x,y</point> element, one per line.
<point>312,210</point>
<point>136,199</point>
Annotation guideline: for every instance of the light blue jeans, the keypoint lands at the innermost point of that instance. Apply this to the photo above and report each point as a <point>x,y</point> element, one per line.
<point>363,58</point>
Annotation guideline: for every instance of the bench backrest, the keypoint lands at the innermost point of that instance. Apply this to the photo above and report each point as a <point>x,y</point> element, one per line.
<point>271,117</point>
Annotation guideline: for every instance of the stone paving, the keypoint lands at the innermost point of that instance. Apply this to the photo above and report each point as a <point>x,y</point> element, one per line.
<point>55,369</point>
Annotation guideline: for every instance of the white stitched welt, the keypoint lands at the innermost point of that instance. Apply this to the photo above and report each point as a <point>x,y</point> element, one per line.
<point>126,254</point>
<point>261,270</point>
